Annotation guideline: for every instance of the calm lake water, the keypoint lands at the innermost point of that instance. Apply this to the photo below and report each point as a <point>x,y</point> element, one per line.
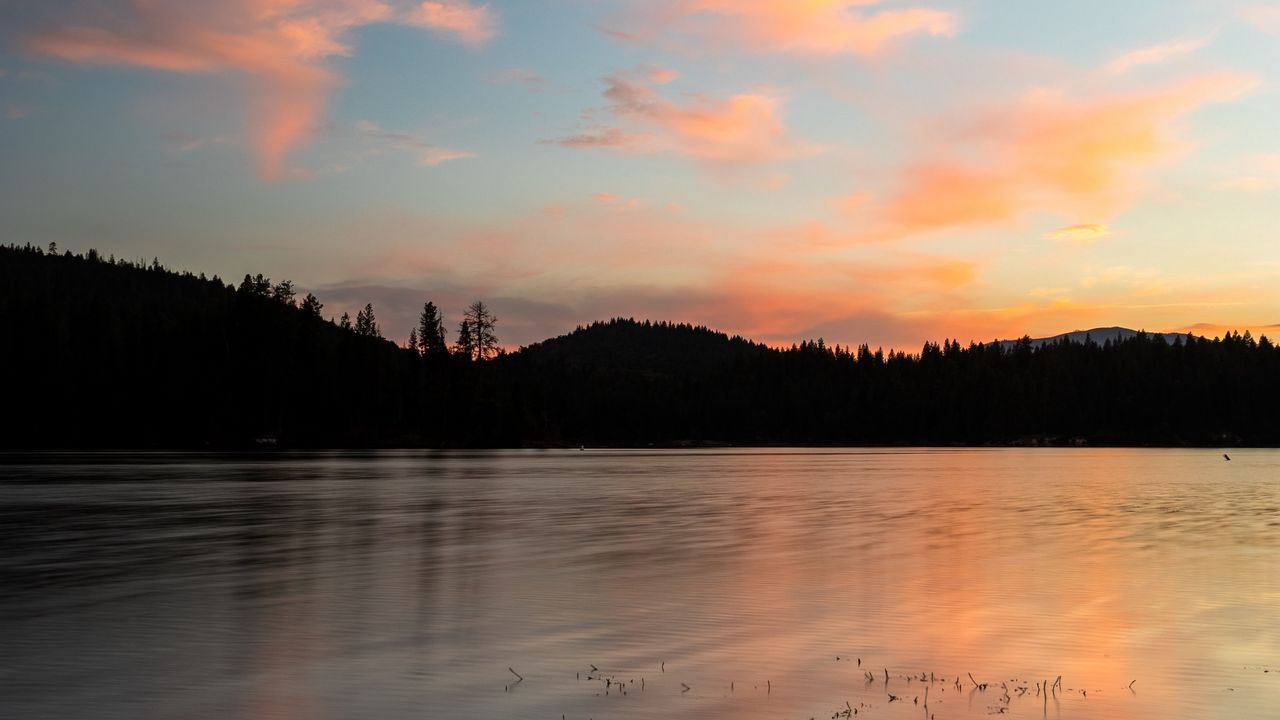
<point>404,585</point>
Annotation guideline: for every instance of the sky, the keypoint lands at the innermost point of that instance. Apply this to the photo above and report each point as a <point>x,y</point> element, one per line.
<point>865,171</point>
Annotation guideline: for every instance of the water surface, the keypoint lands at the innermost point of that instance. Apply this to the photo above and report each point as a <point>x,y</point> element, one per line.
<point>404,585</point>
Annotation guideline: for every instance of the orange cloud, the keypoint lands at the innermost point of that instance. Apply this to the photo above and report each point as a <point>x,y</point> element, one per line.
<point>1084,234</point>
<point>821,27</point>
<point>737,130</point>
<point>585,260</point>
<point>1049,152</point>
<point>279,45</point>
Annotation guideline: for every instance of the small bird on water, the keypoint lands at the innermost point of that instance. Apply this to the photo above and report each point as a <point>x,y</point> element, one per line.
<point>1228,457</point>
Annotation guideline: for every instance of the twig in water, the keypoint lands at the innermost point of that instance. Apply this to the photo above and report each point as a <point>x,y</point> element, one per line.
<point>513,672</point>
<point>1131,683</point>
<point>686,688</point>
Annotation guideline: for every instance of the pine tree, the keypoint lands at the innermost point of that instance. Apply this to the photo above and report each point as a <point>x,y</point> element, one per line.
<point>431,332</point>
<point>256,285</point>
<point>284,293</point>
<point>366,324</point>
<point>465,346</point>
<point>412,345</point>
<point>345,322</point>
<point>311,305</point>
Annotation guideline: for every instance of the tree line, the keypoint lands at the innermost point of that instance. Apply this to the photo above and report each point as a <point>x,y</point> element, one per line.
<point>108,353</point>
<point>477,339</point>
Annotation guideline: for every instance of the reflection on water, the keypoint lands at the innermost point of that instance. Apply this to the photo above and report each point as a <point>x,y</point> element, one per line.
<point>404,585</point>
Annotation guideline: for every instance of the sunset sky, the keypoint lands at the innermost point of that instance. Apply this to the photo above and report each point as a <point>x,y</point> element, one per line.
<point>865,171</point>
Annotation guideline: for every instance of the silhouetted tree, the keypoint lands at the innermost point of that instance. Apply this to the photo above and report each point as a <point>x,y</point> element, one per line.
<point>431,332</point>
<point>412,345</point>
<point>366,325</point>
<point>481,323</point>
<point>466,344</point>
<point>152,357</point>
<point>256,285</point>
<point>284,293</point>
<point>311,305</point>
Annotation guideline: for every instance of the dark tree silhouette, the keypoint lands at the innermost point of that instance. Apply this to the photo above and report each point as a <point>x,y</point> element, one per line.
<point>366,324</point>
<point>259,285</point>
<point>431,332</point>
<point>284,293</point>
<point>465,347</point>
<point>118,353</point>
<point>481,323</point>
<point>311,305</point>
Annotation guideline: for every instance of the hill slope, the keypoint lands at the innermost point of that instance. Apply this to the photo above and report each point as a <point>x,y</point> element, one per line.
<point>105,354</point>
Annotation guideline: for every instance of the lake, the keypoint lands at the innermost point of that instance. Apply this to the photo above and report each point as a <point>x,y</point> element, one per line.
<point>737,584</point>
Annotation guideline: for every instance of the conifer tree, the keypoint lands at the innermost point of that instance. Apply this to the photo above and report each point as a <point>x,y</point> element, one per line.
<point>431,332</point>
<point>311,305</point>
<point>366,324</point>
<point>465,346</point>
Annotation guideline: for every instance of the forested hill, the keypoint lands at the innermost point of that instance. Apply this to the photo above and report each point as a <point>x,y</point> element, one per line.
<point>101,353</point>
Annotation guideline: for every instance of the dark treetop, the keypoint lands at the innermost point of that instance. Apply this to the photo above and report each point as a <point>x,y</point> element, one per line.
<point>102,353</point>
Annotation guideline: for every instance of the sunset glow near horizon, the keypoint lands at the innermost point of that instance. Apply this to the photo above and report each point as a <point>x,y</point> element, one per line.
<point>857,170</point>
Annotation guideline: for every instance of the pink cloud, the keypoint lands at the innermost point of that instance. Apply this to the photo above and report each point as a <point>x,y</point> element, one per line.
<point>821,27</point>
<point>279,45</point>
<point>1264,17</point>
<point>740,129</point>
<point>474,25</point>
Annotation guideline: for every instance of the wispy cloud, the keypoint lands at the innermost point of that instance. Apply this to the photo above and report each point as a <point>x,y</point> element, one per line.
<point>740,129</point>
<point>1263,174</point>
<point>1265,17</point>
<point>427,153</point>
<point>1157,54</point>
<point>816,27</point>
<point>1082,234</point>
<point>184,142</point>
<point>530,79</point>
<point>280,46</point>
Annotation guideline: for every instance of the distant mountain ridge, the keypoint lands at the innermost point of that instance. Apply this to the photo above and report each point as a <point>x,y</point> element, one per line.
<point>1100,335</point>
